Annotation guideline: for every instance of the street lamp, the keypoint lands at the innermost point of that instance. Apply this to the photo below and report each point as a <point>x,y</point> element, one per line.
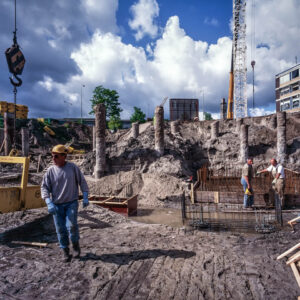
<point>81,101</point>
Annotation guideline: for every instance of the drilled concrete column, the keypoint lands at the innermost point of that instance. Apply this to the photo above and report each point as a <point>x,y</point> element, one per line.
<point>215,130</point>
<point>135,129</point>
<point>239,123</point>
<point>1,138</point>
<point>94,138</point>
<point>100,124</point>
<point>174,127</point>
<point>8,133</point>
<point>25,141</point>
<point>273,122</point>
<point>281,136</point>
<point>159,130</point>
<point>244,150</point>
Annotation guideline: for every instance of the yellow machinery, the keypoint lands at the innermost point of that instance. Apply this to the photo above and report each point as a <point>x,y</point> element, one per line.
<point>21,110</point>
<point>19,197</point>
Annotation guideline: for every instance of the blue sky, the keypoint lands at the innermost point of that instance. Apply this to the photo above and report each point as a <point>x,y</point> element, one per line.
<point>202,20</point>
<point>144,49</point>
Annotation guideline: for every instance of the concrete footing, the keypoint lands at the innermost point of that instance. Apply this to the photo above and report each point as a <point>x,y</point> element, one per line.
<point>273,122</point>
<point>159,130</point>
<point>1,139</point>
<point>244,149</point>
<point>94,138</point>
<point>281,136</point>
<point>135,129</point>
<point>25,141</point>
<point>215,130</point>
<point>100,124</point>
<point>8,133</point>
<point>174,127</point>
<point>239,123</point>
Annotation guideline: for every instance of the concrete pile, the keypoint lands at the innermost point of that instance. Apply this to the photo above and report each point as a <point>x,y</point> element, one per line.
<point>157,162</point>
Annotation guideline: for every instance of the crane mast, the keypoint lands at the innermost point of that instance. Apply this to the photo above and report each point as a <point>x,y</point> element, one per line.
<point>239,59</point>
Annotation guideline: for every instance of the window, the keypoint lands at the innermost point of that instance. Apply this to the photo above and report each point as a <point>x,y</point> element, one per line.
<point>284,105</point>
<point>284,91</point>
<point>295,74</point>
<point>284,78</point>
<point>296,101</point>
<point>295,87</point>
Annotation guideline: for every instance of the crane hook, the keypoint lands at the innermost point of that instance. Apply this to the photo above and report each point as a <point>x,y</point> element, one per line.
<point>19,83</point>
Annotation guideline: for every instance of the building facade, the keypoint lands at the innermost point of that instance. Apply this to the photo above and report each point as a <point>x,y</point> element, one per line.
<point>184,109</point>
<point>287,89</point>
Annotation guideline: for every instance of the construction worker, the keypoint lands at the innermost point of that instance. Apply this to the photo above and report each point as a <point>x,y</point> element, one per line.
<point>247,175</point>
<point>59,189</point>
<point>278,182</point>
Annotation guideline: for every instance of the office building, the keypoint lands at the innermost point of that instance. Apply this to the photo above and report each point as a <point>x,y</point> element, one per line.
<point>288,90</point>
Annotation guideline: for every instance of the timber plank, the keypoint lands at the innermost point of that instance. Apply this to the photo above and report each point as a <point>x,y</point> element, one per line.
<point>296,273</point>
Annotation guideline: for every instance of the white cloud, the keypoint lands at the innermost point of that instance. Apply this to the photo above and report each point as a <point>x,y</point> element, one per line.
<point>182,67</point>
<point>47,83</point>
<point>211,21</point>
<point>179,67</point>
<point>260,111</point>
<point>144,12</point>
<point>101,14</point>
<point>277,25</point>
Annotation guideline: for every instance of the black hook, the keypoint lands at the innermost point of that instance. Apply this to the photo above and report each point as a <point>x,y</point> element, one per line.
<point>19,83</point>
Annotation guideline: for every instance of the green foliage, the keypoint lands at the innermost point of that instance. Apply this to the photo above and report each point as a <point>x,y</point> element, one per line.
<point>138,116</point>
<point>110,98</point>
<point>207,116</point>
<point>1,123</point>
<point>114,123</point>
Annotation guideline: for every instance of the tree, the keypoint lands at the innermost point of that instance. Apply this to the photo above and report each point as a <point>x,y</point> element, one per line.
<point>110,98</point>
<point>207,116</point>
<point>114,123</point>
<point>138,116</point>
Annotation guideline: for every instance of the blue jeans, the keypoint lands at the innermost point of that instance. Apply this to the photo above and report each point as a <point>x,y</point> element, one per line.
<point>248,200</point>
<point>65,220</point>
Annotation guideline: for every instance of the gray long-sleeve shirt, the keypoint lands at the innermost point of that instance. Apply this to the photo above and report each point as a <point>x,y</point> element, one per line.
<point>62,183</point>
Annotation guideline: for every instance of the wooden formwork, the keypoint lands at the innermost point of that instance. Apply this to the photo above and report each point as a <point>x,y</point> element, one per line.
<point>125,206</point>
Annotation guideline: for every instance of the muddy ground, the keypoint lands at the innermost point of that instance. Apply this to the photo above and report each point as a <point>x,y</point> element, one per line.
<point>123,259</point>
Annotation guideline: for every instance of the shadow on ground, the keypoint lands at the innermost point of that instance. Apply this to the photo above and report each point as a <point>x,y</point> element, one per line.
<point>126,258</point>
<point>94,222</point>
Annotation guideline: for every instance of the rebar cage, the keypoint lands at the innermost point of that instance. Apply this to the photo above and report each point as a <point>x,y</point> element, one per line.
<point>219,216</point>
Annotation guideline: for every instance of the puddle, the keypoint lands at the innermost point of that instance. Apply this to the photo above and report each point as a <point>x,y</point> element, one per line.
<point>166,216</point>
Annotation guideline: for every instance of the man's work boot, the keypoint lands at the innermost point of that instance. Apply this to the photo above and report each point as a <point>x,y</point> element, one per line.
<point>76,248</point>
<point>67,255</point>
